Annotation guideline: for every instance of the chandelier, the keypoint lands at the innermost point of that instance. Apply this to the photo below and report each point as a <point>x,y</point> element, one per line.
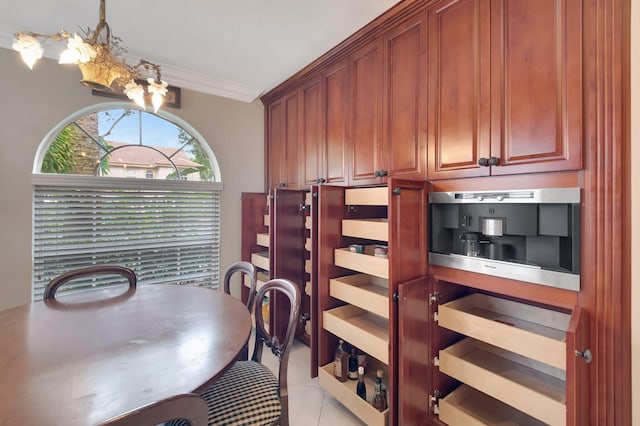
<point>97,56</point>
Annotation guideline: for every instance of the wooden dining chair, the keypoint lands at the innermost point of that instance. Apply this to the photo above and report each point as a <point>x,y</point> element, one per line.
<point>53,285</point>
<point>248,271</point>
<point>249,393</point>
<point>190,409</point>
<point>245,269</point>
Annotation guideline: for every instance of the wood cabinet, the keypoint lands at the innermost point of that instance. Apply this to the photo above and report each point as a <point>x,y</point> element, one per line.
<point>255,236</point>
<point>282,118</point>
<point>389,106</point>
<point>287,255</point>
<point>505,87</point>
<point>367,145</point>
<point>492,360</point>
<point>356,290</point>
<point>324,126</point>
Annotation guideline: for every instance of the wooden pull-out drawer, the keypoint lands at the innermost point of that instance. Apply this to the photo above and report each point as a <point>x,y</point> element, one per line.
<point>266,220</point>
<point>365,330</point>
<point>345,392</point>
<point>307,244</point>
<point>261,279</point>
<point>530,331</point>
<point>307,199</point>
<point>261,260</point>
<point>262,240</point>
<point>365,291</point>
<point>466,406</point>
<point>372,229</point>
<point>365,262</point>
<point>307,222</point>
<point>527,385</point>
<point>378,196</point>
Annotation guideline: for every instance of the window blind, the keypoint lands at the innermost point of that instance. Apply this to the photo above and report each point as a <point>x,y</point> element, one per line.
<point>166,231</point>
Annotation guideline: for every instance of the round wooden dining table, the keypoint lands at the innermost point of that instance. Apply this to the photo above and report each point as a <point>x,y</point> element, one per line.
<point>85,358</point>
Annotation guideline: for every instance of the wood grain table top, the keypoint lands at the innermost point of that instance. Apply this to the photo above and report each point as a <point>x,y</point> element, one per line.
<point>85,358</point>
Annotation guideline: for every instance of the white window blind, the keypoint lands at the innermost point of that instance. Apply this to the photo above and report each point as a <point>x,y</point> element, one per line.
<point>166,231</point>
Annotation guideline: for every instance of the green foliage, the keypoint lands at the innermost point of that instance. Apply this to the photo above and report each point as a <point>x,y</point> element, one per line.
<point>199,156</point>
<point>59,156</point>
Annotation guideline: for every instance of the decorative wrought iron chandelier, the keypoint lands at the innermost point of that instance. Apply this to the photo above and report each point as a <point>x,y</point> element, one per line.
<point>97,56</point>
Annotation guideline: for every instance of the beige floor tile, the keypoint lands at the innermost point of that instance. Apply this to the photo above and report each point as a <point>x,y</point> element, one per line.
<point>334,413</point>
<point>305,404</point>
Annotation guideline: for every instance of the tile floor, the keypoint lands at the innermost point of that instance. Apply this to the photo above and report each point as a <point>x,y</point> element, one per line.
<point>309,404</point>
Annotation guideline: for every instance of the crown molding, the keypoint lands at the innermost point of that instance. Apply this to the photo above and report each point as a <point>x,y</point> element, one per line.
<point>175,76</point>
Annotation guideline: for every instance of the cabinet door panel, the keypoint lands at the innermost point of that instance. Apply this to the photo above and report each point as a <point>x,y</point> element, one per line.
<point>288,252</point>
<point>311,130</point>
<point>405,91</point>
<point>577,369</point>
<point>275,117</point>
<point>366,120</point>
<point>336,122</point>
<point>291,163</point>
<point>536,69</point>
<point>459,82</point>
<point>413,347</point>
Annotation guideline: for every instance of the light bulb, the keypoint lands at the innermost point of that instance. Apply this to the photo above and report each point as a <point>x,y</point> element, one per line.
<point>29,48</point>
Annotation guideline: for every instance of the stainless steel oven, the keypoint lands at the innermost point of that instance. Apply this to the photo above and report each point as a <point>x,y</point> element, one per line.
<point>529,235</point>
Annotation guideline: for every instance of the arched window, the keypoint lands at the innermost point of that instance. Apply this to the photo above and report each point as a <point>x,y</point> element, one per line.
<point>116,185</point>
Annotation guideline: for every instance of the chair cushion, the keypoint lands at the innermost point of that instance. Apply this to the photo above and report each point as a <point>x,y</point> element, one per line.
<point>246,395</point>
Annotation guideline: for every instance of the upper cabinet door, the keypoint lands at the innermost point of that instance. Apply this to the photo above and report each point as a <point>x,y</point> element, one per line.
<point>405,98</point>
<point>275,140</point>
<point>505,87</point>
<point>336,146</point>
<point>312,131</point>
<point>366,114</point>
<point>536,51</point>
<point>283,142</point>
<point>459,88</point>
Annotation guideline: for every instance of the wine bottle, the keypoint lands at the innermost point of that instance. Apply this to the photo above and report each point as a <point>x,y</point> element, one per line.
<point>361,388</point>
<point>379,400</point>
<point>340,362</point>
<point>353,365</point>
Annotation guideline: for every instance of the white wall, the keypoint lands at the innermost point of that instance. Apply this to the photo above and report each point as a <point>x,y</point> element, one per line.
<point>33,102</point>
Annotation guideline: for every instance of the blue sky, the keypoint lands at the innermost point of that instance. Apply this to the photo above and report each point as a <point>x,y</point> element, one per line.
<point>156,131</point>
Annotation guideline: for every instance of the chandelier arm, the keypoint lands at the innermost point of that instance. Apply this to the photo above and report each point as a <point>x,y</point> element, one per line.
<point>55,36</point>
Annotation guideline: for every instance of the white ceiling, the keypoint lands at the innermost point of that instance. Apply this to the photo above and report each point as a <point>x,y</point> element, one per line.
<point>233,48</point>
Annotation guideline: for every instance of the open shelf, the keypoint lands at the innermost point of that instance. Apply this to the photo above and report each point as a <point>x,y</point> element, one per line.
<point>345,392</point>
<point>372,229</point>
<point>530,331</point>
<point>527,385</point>
<point>364,291</point>
<point>466,406</point>
<point>365,330</point>
<point>362,262</point>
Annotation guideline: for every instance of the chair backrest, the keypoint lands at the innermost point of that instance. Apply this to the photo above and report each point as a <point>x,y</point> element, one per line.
<point>51,288</point>
<point>245,268</point>
<point>188,406</point>
<point>277,287</point>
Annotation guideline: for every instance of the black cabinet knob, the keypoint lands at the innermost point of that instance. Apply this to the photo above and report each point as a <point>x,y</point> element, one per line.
<point>483,162</point>
<point>282,185</point>
<point>321,180</point>
<point>383,173</point>
<point>494,161</point>
<point>376,173</point>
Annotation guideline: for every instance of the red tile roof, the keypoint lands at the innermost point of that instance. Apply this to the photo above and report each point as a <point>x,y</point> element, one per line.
<point>147,156</point>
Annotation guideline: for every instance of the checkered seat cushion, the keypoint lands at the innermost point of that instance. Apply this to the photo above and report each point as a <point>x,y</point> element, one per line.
<point>246,395</point>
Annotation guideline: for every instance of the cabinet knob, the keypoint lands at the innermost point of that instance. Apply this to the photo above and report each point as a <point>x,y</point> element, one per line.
<point>586,355</point>
<point>376,173</point>
<point>494,161</point>
<point>483,162</point>
<point>282,185</point>
<point>321,180</point>
<point>383,173</point>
